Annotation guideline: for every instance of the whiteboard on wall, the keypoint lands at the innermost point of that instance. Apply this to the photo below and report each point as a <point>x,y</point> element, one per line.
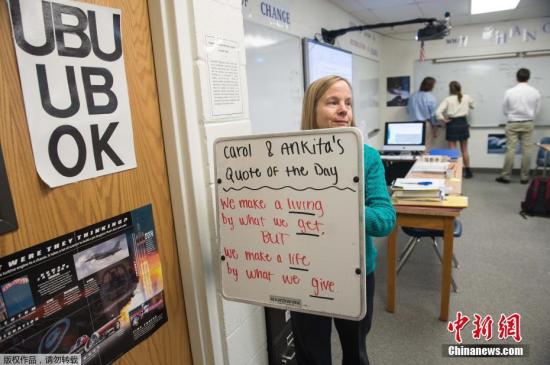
<point>275,79</point>
<point>290,215</point>
<point>365,94</point>
<point>486,81</point>
<point>274,70</point>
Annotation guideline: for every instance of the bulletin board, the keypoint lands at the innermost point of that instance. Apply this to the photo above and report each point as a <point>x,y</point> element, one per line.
<point>290,212</point>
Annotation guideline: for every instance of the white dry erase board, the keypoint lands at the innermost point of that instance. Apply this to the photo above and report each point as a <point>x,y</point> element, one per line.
<point>275,79</point>
<point>365,94</point>
<point>274,71</point>
<point>290,211</point>
<point>486,81</point>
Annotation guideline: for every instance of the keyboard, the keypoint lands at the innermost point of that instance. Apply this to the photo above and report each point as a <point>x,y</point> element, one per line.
<point>398,157</point>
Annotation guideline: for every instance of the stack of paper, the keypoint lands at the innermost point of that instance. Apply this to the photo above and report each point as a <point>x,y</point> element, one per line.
<point>419,189</point>
<point>432,167</point>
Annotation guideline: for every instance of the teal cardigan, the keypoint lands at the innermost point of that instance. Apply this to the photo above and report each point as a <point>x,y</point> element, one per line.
<point>379,212</point>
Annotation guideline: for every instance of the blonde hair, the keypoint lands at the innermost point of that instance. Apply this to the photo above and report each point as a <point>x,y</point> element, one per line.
<point>312,96</point>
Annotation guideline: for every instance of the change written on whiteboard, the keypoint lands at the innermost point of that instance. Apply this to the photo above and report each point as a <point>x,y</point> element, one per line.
<point>290,220</point>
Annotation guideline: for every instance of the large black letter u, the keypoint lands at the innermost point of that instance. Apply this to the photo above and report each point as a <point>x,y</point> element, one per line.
<point>45,93</point>
<point>17,22</point>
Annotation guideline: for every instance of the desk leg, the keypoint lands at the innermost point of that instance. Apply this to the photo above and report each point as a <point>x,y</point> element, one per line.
<point>392,273</point>
<point>448,232</point>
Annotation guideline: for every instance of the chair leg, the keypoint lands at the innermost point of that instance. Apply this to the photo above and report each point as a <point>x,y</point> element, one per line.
<point>453,285</point>
<point>406,249</point>
<point>407,253</point>
<point>436,248</point>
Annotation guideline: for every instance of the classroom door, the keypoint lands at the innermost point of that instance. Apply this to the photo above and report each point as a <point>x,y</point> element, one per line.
<point>44,213</point>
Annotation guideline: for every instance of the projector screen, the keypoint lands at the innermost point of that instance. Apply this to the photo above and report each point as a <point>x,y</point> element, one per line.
<point>322,60</point>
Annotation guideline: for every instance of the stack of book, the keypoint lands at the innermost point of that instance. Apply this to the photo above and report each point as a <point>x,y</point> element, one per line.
<point>419,189</point>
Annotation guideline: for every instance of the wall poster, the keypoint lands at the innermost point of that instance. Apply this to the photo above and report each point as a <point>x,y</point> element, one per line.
<point>73,80</point>
<point>496,144</point>
<point>398,90</point>
<point>224,73</point>
<point>97,291</point>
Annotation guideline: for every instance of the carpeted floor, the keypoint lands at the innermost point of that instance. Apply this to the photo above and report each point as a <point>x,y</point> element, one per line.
<point>504,267</point>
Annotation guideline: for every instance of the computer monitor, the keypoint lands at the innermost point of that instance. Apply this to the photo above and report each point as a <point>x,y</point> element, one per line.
<point>405,136</point>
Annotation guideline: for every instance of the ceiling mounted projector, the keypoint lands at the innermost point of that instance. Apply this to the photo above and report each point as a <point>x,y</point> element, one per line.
<point>438,29</point>
<point>434,29</point>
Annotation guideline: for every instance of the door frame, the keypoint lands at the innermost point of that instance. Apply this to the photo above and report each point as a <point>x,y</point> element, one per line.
<point>187,165</point>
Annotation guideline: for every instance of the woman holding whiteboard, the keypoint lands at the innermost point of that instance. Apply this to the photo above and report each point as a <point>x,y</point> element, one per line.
<point>328,104</point>
<point>453,110</point>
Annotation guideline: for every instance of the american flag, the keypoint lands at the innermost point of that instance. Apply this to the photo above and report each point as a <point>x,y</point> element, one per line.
<point>422,55</point>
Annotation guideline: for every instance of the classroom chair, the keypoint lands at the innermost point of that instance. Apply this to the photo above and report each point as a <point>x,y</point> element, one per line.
<point>543,157</point>
<point>417,234</point>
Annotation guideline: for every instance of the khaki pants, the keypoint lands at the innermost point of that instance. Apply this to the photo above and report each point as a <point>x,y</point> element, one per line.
<point>524,132</point>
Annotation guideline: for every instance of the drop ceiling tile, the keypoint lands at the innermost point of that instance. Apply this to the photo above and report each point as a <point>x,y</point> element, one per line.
<point>381,4</point>
<point>457,20</point>
<point>367,17</point>
<point>400,13</point>
<point>383,11</point>
<point>534,3</point>
<point>349,5</point>
<point>437,9</point>
<point>536,11</point>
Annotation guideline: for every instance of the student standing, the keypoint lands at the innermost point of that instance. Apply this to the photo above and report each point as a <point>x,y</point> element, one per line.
<point>421,107</point>
<point>453,111</point>
<point>521,105</point>
<point>328,104</point>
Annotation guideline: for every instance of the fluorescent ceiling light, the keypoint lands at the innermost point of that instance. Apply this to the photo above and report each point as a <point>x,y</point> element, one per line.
<point>489,6</point>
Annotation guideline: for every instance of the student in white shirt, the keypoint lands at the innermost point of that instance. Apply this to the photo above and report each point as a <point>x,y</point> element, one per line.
<point>453,110</point>
<point>521,104</point>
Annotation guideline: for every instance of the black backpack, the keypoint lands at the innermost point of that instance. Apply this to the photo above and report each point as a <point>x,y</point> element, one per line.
<point>537,199</point>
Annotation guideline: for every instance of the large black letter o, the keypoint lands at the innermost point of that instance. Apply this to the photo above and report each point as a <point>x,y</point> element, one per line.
<point>54,153</point>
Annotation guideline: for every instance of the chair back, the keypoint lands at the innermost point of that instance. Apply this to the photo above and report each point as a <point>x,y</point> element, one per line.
<point>541,154</point>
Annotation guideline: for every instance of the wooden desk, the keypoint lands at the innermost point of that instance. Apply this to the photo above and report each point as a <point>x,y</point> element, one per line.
<point>441,216</point>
